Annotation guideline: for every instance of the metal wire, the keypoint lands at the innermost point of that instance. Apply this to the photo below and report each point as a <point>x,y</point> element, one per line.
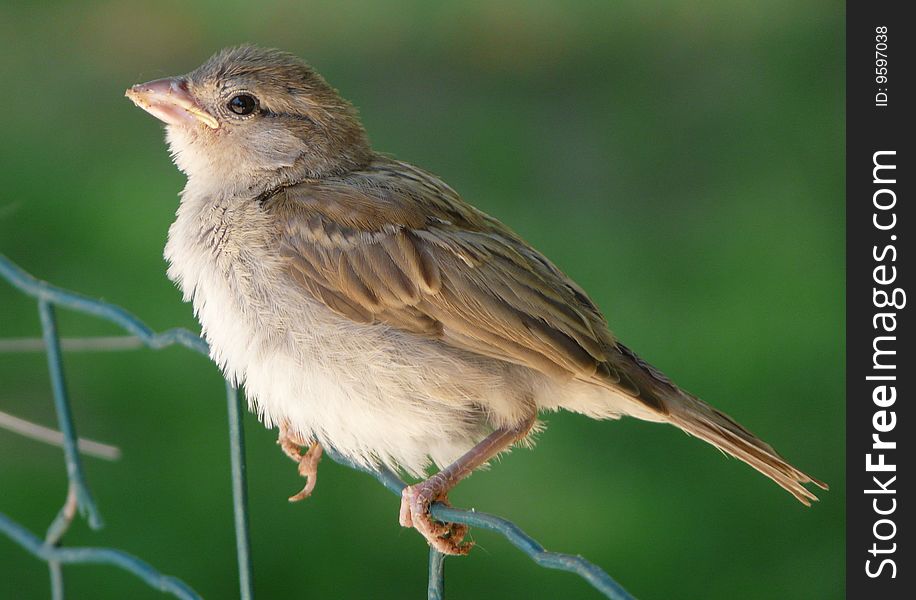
<point>79,497</point>
<point>110,556</point>
<point>239,491</point>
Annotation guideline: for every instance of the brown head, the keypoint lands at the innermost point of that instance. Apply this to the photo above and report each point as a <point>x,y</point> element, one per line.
<point>252,117</point>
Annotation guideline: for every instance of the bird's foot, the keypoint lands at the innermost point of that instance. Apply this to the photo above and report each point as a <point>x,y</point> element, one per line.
<point>292,446</point>
<point>447,538</point>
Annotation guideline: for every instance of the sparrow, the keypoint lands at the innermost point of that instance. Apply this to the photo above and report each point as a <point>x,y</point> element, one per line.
<point>367,308</point>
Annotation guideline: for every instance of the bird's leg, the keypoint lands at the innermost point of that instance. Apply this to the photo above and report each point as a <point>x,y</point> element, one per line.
<point>416,499</point>
<point>308,468</point>
<point>289,442</point>
<point>292,446</point>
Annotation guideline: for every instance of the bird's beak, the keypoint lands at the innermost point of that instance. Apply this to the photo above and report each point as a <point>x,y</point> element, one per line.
<point>170,101</point>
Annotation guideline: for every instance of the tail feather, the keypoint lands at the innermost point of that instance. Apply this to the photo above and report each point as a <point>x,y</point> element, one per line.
<point>698,419</point>
<point>701,420</point>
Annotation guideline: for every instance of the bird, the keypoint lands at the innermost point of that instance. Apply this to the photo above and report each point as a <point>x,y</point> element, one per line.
<point>367,308</point>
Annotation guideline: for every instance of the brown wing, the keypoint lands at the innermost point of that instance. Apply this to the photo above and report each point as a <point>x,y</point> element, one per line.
<point>392,244</point>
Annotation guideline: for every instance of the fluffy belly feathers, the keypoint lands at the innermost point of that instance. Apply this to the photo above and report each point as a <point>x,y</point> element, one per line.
<point>365,390</point>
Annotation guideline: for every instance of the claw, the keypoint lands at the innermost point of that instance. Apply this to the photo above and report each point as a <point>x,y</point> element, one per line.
<point>292,445</point>
<point>308,468</point>
<point>447,538</point>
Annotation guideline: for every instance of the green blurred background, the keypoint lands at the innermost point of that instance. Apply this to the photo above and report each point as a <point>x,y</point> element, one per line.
<point>682,160</point>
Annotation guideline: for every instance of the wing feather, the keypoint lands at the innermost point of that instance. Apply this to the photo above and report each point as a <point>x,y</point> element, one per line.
<point>396,246</point>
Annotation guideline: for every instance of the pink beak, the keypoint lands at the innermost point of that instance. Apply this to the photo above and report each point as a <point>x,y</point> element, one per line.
<point>170,101</point>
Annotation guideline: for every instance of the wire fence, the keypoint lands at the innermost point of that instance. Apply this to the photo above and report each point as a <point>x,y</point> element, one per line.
<point>79,498</point>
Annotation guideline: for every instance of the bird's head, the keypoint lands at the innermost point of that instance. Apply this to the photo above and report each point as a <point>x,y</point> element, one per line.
<point>253,117</point>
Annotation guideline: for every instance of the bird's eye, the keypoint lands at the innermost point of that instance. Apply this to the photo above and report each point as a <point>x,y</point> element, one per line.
<point>243,104</point>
